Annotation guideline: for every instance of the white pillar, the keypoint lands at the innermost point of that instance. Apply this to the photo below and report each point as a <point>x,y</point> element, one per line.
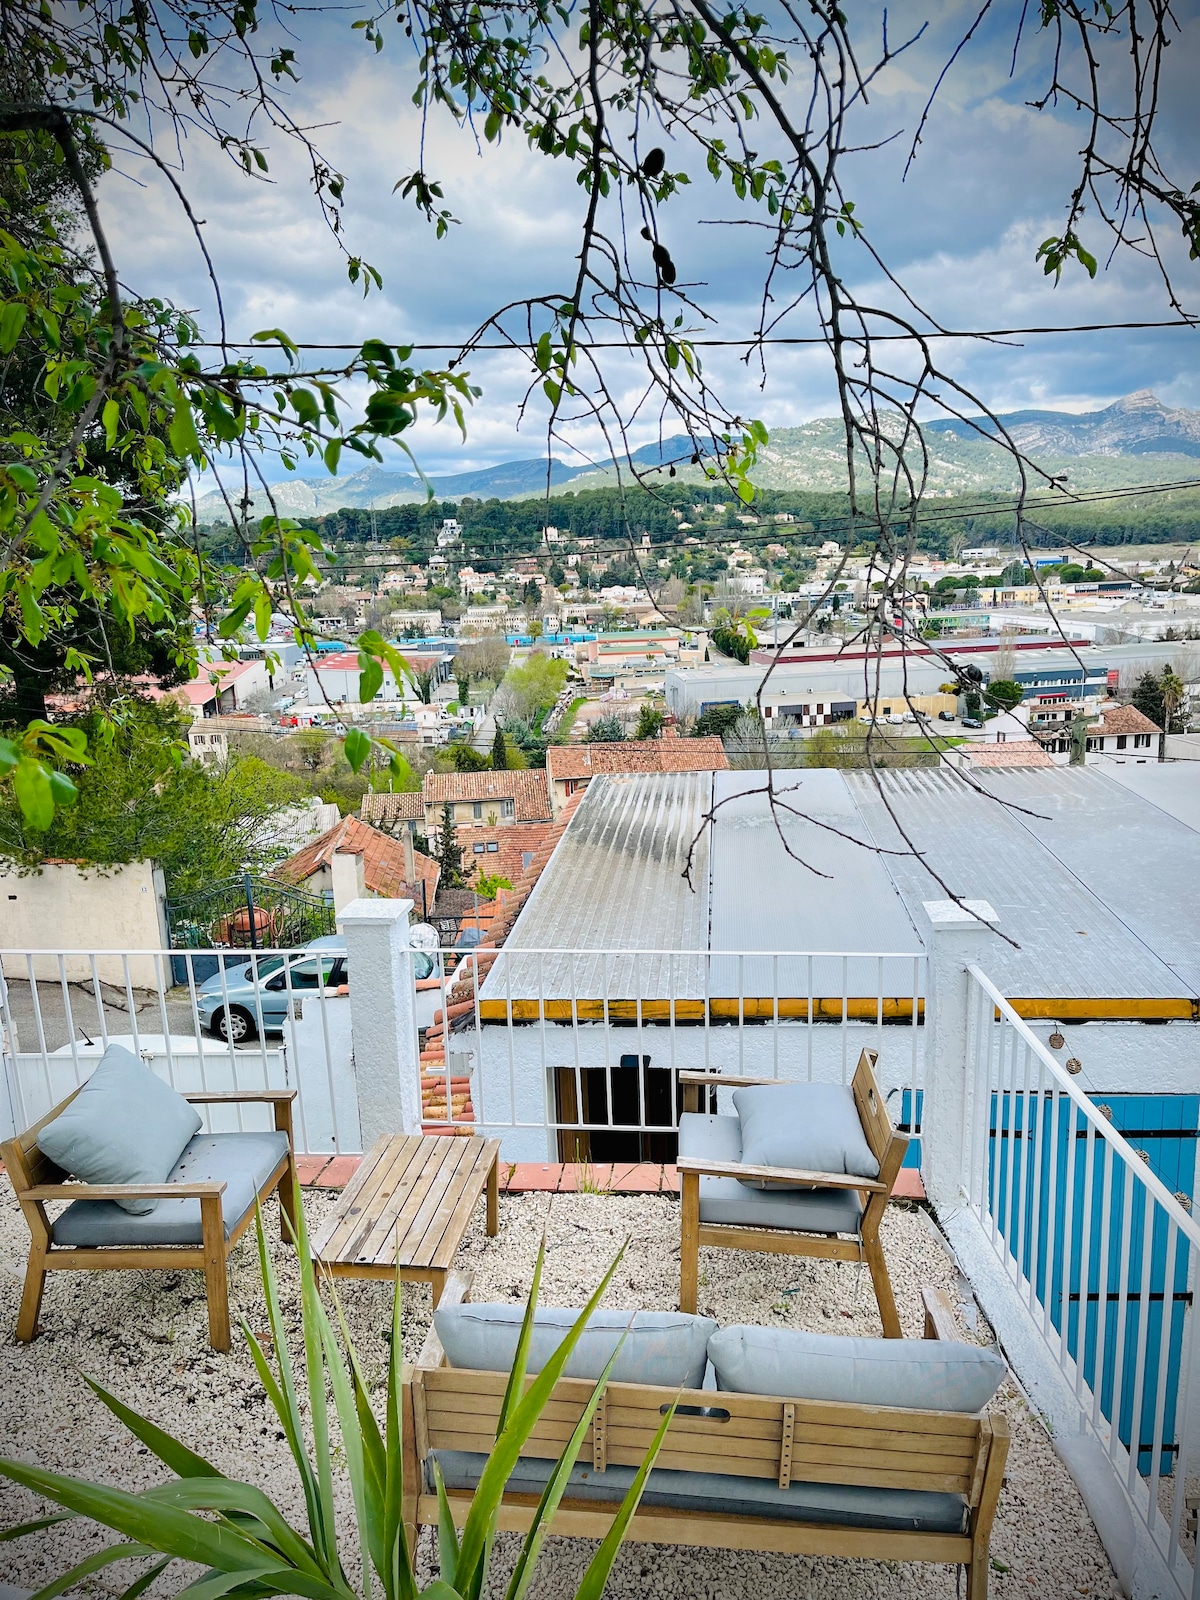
<point>959,938</point>
<point>382,1022</point>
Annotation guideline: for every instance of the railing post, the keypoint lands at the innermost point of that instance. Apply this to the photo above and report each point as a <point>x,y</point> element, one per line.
<point>383,1026</point>
<point>957,941</point>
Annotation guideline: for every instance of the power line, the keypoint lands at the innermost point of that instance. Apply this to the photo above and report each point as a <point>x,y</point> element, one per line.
<point>714,344</point>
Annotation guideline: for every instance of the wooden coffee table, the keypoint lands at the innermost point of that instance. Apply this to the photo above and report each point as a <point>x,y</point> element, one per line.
<point>407,1207</point>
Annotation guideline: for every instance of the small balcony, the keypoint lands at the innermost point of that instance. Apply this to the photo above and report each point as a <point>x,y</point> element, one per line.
<point>1064,1241</point>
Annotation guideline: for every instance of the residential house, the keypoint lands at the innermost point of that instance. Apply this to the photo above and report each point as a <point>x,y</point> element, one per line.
<point>487,799</point>
<point>570,768</point>
<point>353,858</point>
<point>1120,731</point>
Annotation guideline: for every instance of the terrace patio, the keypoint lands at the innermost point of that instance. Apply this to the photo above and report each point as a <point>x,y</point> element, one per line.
<point>143,1336</point>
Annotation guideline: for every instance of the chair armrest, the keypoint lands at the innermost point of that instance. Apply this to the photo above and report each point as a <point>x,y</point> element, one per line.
<point>234,1096</point>
<point>939,1318</point>
<point>123,1191</point>
<point>731,1080</point>
<point>797,1175</point>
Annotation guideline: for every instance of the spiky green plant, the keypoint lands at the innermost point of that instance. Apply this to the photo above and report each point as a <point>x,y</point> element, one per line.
<point>245,1542</point>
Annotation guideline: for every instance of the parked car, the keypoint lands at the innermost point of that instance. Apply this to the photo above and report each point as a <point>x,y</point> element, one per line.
<point>971,722</point>
<point>945,716</point>
<point>241,1004</point>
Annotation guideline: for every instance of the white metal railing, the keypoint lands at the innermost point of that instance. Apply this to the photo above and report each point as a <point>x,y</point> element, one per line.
<point>60,1009</point>
<point>1101,1252</point>
<point>540,1042</point>
<point>591,1042</point>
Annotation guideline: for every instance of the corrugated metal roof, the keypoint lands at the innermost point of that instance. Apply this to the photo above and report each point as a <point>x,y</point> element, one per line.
<point>616,882</point>
<point>1172,786</point>
<point>799,881</point>
<point>1064,868</point>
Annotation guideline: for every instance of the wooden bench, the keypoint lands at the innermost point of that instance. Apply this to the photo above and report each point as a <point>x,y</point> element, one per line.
<point>37,1181</point>
<point>734,1435</point>
<point>888,1148</point>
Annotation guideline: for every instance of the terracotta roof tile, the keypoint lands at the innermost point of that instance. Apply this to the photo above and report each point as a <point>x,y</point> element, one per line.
<point>383,861</point>
<point>528,790</point>
<point>636,755</point>
<point>516,844</point>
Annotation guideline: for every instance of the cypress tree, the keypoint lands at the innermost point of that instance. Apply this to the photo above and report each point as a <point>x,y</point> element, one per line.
<point>499,751</point>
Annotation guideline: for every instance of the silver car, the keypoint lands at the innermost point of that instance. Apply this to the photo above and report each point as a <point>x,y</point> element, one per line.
<point>241,1004</point>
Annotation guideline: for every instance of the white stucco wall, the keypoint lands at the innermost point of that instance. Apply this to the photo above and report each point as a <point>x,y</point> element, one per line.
<point>65,907</point>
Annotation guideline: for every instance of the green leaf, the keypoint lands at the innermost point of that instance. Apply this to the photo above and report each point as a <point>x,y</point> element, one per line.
<point>375,351</point>
<point>62,791</point>
<point>596,1576</point>
<point>357,747</point>
<point>12,320</point>
<point>23,1528</point>
<point>24,477</point>
<point>110,417</point>
<point>93,1563</point>
<point>370,678</point>
<point>34,795</point>
<point>182,1461</point>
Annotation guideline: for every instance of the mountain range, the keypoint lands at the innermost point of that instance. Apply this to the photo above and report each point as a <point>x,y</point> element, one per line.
<point>1137,439</point>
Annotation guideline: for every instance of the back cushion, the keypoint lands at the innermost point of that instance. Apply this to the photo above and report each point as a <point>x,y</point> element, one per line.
<point>124,1126</point>
<point>814,1126</point>
<point>665,1348</point>
<point>920,1374</point>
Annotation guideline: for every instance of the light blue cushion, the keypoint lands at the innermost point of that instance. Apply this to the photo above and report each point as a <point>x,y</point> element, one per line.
<point>665,1348</point>
<point>241,1161</point>
<point>814,1126</point>
<point>741,1205</point>
<point>917,1374</point>
<point>840,1505</point>
<point>124,1126</point>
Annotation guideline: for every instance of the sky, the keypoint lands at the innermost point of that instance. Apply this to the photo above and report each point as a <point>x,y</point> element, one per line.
<point>960,230</point>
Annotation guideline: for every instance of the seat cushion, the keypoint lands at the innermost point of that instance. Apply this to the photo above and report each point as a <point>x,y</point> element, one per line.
<point>921,1374</point>
<point>841,1505</point>
<point>242,1161</point>
<point>729,1201</point>
<point>814,1126</point>
<point>665,1348</point>
<point>124,1126</point>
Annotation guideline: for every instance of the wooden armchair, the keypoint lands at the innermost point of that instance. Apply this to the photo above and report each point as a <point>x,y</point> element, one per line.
<point>812,1220</point>
<point>93,1234</point>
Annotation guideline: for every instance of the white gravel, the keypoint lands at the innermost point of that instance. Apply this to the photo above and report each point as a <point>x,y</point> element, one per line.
<point>143,1336</point>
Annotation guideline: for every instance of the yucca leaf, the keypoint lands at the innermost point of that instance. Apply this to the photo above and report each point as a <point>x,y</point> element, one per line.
<point>161,1528</point>
<point>373,1457</point>
<point>92,1563</point>
<point>402,1583</point>
<point>282,1393</point>
<point>23,1528</point>
<point>516,1376</point>
<point>352,1442</point>
<point>140,1585</point>
<point>448,1547</point>
<point>312,1312</point>
<point>184,1463</point>
<point>214,1584</point>
<point>539,1528</point>
<point>499,1466</point>
<point>596,1576</point>
<point>439,1589</point>
<point>226,1495</point>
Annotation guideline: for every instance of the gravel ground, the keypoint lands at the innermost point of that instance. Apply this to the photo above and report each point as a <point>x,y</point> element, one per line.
<point>143,1336</point>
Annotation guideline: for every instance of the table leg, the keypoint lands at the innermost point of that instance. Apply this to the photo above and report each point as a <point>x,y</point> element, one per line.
<point>493,1199</point>
<point>437,1283</point>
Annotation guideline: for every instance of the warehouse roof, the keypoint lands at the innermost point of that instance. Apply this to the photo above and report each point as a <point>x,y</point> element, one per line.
<point>1094,887</point>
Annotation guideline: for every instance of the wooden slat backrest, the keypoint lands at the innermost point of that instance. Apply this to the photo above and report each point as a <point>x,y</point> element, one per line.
<point>743,1436</point>
<point>872,1111</point>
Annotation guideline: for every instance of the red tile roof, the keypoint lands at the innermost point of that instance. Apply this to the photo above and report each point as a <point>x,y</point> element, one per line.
<point>1012,753</point>
<point>383,861</point>
<point>385,809</point>
<point>517,843</point>
<point>528,790</point>
<point>636,755</point>
<point>1123,719</point>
